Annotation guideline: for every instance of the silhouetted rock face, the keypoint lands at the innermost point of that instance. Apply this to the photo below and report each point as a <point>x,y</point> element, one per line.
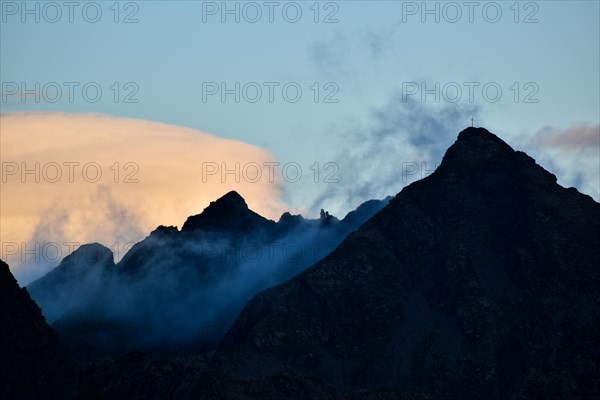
<point>327,219</point>
<point>354,219</point>
<point>228,214</point>
<point>177,292</point>
<point>288,221</point>
<point>33,365</point>
<point>137,376</point>
<point>480,281</point>
<point>75,282</point>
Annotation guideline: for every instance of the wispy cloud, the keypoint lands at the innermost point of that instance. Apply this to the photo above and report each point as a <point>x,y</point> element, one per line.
<point>403,142</point>
<point>343,52</point>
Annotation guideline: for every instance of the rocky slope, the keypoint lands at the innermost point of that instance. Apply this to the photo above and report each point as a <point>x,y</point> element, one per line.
<point>137,376</point>
<point>480,281</point>
<point>477,282</point>
<point>33,364</point>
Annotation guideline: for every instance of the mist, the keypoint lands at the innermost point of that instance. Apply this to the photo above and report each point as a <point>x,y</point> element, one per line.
<point>178,291</point>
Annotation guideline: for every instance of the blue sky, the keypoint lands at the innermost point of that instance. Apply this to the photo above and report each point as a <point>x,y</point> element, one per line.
<point>369,58</point>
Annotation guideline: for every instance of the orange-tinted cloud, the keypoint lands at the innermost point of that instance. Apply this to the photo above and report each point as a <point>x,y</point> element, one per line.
<point>84,178</point>
<point>573,154</point>
<point>578,137</point>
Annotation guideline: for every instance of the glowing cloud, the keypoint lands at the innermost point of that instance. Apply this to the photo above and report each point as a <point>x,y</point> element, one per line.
<point>573,154</point>
<point>78,178</point>
<point>578,137</point>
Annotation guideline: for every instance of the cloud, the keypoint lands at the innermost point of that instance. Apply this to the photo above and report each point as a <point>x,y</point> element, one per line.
<point>96,178</point>
<point>343,53</point>
<point>180,289</point>
<point>578,137</point>
<point>329,59</point>
<point>572,154</point>
<point>404,142</point>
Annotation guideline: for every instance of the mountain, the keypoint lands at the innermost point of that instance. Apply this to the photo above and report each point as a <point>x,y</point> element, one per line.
<point>477,282</point>
<point>228,214</point>
<point>177,292</point>
<point>137,376</point>
<point>33,364</point>
<point>75,282</point>
<point>480,281</point>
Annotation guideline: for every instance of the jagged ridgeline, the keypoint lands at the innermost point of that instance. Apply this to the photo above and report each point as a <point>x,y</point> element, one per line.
<point>177,292</point>
<point>480,281</point>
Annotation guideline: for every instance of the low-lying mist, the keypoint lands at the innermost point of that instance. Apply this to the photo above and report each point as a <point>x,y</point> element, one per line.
<point>180,290</point>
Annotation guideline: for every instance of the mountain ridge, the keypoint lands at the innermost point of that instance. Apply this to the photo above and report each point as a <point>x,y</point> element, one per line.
<point>461,271</point>
<point>478,281</point>
<point>220,257</point>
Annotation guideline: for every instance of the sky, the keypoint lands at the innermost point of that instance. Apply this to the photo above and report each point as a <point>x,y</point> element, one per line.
<point>338,102</point>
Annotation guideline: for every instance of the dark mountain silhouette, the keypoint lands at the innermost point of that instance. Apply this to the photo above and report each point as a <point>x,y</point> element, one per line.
<point>177,292</point>
<point>33,363</point>
<point>229,214</point>
<point>76,281</point>
<point>481,281</point>
<point>477,282</point>
<point>138,376</point>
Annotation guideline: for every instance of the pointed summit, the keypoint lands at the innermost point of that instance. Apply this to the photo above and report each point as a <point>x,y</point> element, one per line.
<point>480,160</point>
<point>231,200</point>
<point>229,213</point>
<point>472,132</point>
<point>462,287</point>
<point>477,144</point>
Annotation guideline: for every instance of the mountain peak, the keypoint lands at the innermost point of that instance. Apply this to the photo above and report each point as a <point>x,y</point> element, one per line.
<point>473,131</point>
<point>452,275</point>
<point>477,152</point>
<point>89,254</point>
<point>231,200</point>
<point>230,212</point>
<point>480,139</point>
